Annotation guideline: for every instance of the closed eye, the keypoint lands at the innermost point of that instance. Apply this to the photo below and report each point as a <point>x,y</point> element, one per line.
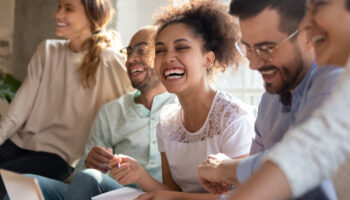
<point>159,51</point>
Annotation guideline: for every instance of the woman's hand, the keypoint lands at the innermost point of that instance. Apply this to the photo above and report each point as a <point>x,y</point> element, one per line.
<point>125,170</point>
<point>218,173</point>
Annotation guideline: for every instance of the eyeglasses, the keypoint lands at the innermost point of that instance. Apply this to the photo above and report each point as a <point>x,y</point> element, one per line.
<point>140,49</point>
<point>263,51</point>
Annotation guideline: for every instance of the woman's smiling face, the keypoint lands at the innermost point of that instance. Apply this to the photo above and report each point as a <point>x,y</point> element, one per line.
<point>180,61</point>
<point>327,24</point>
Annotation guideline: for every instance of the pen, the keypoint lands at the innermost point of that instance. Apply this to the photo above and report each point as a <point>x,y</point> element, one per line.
<point>118,164</point>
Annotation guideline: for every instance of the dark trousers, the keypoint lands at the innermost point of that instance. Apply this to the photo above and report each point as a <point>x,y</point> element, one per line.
<point>16,159</point>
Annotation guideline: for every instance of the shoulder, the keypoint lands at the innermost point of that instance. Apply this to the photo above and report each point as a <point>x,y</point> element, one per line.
<point>169,114</point>
<point>114,106</point>
<point>112,54</point>
<point>269,102</point>
<point>52,46</point>
<point>229,106</point>
<point>324,80</point>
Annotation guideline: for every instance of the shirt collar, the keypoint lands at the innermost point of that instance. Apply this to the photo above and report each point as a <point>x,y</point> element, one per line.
<point>301,86</point>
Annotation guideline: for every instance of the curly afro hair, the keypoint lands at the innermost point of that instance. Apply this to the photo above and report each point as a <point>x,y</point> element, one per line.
<point>210,20</point>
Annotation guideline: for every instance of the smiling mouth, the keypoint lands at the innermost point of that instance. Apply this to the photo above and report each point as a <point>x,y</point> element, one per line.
<point>174,73</point>
<point>317,39</point>
<point>268,72</point>
<point>61,24</point>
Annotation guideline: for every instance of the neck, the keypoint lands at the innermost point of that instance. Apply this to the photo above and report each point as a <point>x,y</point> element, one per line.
<point>146,97</point>
<point>196,105</point>
<point>80,43</point>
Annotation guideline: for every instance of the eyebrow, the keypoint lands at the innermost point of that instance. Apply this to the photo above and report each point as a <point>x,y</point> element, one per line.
<point>137,44</point>
<point>176,41</point>
<point>181,40</point>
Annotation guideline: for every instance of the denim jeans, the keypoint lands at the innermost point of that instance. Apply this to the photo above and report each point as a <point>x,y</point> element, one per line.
<point>14,158</point>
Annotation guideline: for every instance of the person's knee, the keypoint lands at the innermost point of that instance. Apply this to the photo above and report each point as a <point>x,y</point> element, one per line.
<point>89,177</point>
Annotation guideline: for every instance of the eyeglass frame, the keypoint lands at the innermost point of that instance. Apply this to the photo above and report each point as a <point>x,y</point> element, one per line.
<point>132,49</point>
<point>268,50</point>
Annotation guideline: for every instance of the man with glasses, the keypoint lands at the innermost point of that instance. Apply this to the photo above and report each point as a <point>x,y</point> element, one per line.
<point>295,86</point>
<point>124,126</point>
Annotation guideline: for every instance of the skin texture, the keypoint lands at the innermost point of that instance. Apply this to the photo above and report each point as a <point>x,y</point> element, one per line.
<point>325,26</point>
<point>290,61</point>
<point>73,24</point>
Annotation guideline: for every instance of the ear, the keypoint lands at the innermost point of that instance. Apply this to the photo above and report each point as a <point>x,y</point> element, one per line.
<point>209,59</point>
<point>306,41</point>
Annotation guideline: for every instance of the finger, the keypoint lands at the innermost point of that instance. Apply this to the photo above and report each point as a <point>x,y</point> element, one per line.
<point>118,174</point>
<point>115,161</point>
<point>207,186</point>
<point>103,152</point>
<point>103,167</point>
<point>145,196</point>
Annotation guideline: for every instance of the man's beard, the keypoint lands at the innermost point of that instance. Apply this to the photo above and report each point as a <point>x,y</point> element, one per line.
<point>150,81</point>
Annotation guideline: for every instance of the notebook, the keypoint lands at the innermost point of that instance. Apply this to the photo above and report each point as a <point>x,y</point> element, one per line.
<point>21,187</point>
<point>124,193</point>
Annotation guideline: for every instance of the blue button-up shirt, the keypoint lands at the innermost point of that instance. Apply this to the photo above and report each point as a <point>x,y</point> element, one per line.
<point>274,118</point>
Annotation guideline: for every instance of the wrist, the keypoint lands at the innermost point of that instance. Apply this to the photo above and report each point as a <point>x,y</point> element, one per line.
<point>142,176</point>
<point>228,171</point>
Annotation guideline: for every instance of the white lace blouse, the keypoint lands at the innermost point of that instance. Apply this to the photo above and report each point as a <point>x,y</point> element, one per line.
<point>228,129</point>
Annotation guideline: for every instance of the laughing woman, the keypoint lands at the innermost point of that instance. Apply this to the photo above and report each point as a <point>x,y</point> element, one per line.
<point>192,42</point>
<point>46,127</point>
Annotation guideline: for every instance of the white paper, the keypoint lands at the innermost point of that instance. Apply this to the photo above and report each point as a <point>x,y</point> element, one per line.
<point>124,193</point>
<point>21,187</point>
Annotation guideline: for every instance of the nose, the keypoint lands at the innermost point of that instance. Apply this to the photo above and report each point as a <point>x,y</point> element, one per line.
<point>133,57</point>
<point>59,13</point>
<point>255,61</point>
<point>170,57</point>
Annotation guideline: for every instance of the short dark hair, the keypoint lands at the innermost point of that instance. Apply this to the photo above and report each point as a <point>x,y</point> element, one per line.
<point>348,4</point>
<point>291,11</point>
<point>210,20</point>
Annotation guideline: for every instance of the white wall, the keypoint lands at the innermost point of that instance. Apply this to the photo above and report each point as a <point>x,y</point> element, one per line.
<point>134,14</point>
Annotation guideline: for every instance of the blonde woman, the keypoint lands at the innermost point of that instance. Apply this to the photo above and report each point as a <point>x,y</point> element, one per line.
<point>46,127</point>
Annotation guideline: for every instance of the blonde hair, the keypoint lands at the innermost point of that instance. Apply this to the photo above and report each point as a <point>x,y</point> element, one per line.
<point>99,12</point>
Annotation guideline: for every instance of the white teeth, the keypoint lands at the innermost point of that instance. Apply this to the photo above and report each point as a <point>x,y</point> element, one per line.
<point>174,77</point>
<point>173,71</point>
<point>61,24</point>
<point>268,72</point>
<point>134,71</point>
<point>317,38</point>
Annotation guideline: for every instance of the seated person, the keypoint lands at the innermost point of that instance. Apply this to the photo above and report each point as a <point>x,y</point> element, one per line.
<point>192,41</point>
<point>291,97</point>
<point>46,127</point>
<point>126,125</point>
<point>313,151</point>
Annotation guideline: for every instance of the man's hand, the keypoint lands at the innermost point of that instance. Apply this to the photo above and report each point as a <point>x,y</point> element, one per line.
<point>98,158</point>
<point>218,173</point>
<point>126,170</point>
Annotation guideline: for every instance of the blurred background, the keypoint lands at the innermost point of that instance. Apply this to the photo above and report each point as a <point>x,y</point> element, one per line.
<point>25,23</point>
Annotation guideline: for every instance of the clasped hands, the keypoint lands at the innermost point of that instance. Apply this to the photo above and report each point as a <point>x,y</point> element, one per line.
<point>218,173</point>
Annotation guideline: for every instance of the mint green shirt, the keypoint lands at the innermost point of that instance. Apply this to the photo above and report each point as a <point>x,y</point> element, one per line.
<point>130,129</point>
